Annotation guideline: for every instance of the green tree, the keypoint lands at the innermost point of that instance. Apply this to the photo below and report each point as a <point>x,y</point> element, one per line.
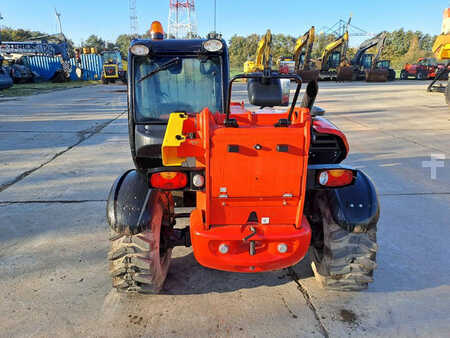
<point>123,43</point>
<point>9,34</point>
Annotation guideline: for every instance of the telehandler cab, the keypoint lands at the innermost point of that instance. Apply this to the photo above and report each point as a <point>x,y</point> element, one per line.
<point>268,185</point>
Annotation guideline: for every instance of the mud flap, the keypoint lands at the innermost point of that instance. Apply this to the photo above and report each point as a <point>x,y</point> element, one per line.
<point>355,208</point>
<point>126,210</point>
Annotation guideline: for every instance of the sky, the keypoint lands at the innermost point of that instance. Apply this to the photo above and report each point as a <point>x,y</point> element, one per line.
<point>110,18</point>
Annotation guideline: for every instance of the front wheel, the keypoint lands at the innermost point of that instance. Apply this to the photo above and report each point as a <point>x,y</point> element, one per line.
<point>421,76</point>
<point>403,75</point>
<point>343,260</point>
<point>140,262</point>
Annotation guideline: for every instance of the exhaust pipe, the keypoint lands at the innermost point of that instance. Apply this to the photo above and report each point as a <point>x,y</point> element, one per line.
<point>310,95</point>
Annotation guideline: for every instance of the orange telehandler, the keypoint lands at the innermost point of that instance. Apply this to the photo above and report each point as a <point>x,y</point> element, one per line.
<point>268,185</point>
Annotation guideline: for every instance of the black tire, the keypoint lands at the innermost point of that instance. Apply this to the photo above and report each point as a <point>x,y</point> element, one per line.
<point>124,78</point>
<point>139,263</point>
<point>421,76</point>
<point>403,75</point>
<point>391,76</point>
<point>104,81</point>
<point>343,261</point>
<point>447,93</point>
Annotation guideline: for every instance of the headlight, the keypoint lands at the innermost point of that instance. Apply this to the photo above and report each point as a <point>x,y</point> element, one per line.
<point>213,45</point>
<point>139,50</point>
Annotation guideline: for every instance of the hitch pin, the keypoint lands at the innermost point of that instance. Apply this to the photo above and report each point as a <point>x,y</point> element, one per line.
<point>253,230</point>
<point>252,243</point>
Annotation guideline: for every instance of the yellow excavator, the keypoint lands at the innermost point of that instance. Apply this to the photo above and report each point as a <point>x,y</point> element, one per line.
<point>263,55</point>
<point>300,61</point>
<point>303,65</point>
<point>332,58</point>
<point>441,49</point>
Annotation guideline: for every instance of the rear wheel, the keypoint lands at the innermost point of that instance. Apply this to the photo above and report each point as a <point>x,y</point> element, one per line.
<point>139,263</point>
<point>344,260</point>
<point>421,76</point>
<point>104,81</point>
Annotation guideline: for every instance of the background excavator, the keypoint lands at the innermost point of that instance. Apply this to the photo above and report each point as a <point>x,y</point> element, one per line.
<point>331,58</point>
<point>302,57</point>
<point>263,55</point>
<point>364,66</point>
<point>441,49</point>
<point>300,62</point>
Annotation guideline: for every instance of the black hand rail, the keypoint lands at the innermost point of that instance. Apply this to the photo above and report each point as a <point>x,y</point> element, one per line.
<point>296,78</point>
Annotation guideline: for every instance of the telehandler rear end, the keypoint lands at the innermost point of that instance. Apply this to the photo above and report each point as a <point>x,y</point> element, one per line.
<point>268,185</point>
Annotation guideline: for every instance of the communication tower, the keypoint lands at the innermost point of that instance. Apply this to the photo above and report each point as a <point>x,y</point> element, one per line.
<point>182,20</point>
<point>133,18</point>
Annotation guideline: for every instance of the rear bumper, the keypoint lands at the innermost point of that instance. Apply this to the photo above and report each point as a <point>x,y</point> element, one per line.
<point>238,259</point>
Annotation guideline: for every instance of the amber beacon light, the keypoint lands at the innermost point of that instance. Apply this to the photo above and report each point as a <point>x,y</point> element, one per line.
<point>156,31</point>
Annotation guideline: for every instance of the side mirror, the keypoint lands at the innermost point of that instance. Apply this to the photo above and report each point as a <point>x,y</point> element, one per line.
<point>265,92</point>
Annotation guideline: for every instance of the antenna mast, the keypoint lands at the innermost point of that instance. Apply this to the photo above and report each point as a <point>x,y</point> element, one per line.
<point>133,18</point>
<point>1,18</point>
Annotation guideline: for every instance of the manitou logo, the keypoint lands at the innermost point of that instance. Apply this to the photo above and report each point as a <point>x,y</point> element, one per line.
<point>437,161</point>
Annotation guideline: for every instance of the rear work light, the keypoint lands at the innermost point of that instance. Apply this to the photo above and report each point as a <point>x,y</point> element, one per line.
<point>168,180</point>
<point>335,177</point>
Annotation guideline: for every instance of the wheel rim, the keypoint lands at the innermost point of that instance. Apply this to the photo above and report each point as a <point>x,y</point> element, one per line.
<point>159,257</point>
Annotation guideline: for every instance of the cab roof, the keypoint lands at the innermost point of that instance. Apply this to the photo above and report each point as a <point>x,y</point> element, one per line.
<point>169,46</point>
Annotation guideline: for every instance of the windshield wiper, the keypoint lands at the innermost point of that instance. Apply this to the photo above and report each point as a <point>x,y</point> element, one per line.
<point>164,66</point>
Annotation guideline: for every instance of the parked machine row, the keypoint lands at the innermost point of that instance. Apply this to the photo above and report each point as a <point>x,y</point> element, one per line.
<point>333,64</point>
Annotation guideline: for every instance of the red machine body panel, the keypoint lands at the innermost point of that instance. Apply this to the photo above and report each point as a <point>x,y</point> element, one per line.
<point>255,180</point>
<point>250,172</point>
<point>267,238</point>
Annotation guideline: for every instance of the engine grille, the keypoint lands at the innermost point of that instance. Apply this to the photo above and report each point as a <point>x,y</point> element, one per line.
<point>326,148</point>
<point>110,70</point>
